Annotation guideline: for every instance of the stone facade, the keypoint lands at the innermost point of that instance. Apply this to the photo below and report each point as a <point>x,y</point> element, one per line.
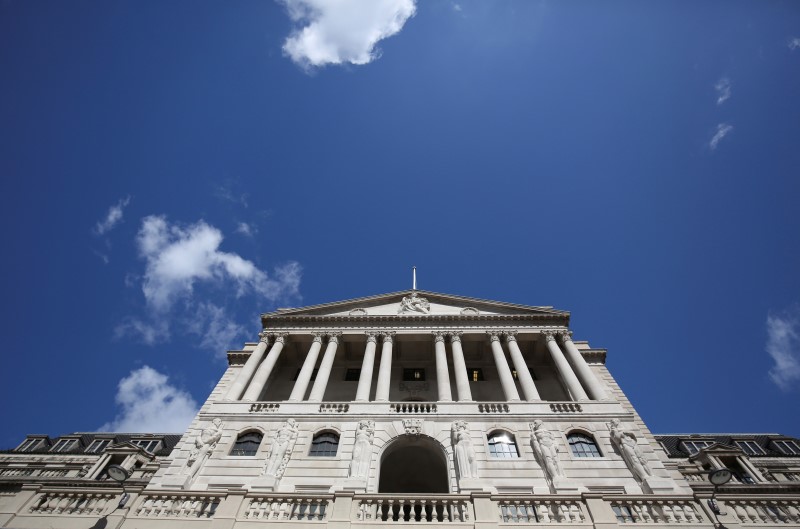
<point>423,408</point>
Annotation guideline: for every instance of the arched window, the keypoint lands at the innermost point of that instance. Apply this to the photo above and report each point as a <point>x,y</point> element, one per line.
<point>501,444</point>
<point>582,445</point>
<point>247,444</point>
<point>324,444</point>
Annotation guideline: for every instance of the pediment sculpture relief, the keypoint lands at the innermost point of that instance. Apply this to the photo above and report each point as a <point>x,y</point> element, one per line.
<point>414,303</point>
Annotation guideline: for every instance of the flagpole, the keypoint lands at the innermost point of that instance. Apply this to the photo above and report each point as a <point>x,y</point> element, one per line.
<point>414,283</point>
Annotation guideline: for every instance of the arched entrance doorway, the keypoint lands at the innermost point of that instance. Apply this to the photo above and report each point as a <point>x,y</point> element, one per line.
<point>414,465</point>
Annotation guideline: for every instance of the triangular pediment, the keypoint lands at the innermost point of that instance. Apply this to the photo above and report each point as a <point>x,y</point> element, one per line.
<point>415,303</point>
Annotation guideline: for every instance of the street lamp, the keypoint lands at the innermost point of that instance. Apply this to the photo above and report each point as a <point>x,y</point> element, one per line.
<point>119,474</point>
<point>717,477</point>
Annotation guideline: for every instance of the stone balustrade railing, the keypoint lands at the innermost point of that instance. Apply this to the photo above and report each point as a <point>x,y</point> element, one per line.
<point>565,407</point>
<point>765,511</point>
<point>647,511</point>
<point>288,508</point>
<point>541,510</point>
<point>445,508</point>
<point>64,502</point>
<point>493,407</point>
<point>177,506</point>
<point>413,407</point>
<point>16,472</point>
<point>334,407</point>
<point>258,407</point>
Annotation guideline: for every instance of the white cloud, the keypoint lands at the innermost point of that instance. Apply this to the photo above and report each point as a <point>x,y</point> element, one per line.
<point>218,332</point>
<point>722,130</point>
<point>342,31</point>
<point>113,217</point>
<point>794,43</point>
<point>150,333</point>
<point>783,345</point>
<point>248,230</point>
<point>151,404</point>
<point>178,257</point>
<point>456,7</point>
<point>723,88</point>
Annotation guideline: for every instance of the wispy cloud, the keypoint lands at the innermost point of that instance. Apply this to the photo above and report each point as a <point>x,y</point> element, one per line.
<point>149,332</point>
<point>723,129</point>
<point>112,218</point>
<point>345,31</point>
<point>794,43</point>
<point>783,345</point>
<point>456,7</point>
<point>248,230</point>
<point>226,192</point>
<point>177,257</point>
<point>151,404</point>
<point>723,88</point>
<point>218,332</point>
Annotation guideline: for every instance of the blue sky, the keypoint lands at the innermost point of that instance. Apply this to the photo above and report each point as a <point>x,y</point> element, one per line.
<point>171,170</point>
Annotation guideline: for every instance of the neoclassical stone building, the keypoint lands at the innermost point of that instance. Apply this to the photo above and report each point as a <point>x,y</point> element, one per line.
<point>411,407</point>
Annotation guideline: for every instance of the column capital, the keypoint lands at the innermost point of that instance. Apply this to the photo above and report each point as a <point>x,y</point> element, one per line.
<point>317,337</point>
<point>511,336</point>
<point>333,337</point>
<point>494,336</point>
<point>388,336</point>
<point>438,336</point>
<point>455,336</point>
<point>372,336</point>
<point>549,336</point>
<point>566,335</point>
<point>279,336</point>
<point>263,336</point>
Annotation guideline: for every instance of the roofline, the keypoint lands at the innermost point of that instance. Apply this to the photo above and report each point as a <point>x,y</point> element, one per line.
<point>290,312</point>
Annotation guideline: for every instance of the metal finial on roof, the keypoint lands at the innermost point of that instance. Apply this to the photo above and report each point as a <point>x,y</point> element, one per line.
<point>414,281</point>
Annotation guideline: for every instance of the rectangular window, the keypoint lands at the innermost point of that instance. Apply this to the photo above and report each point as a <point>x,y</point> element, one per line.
<point>64,445</point>
<point>414,374</point>
<point>98,445</point>
<point>787,447</point>
<point>475,374</point>
<point>148,444</point>
<point>28,445</point>
<point>693,447</point>
<point>313,374</point>
<point>750,448</point>
<point>352,375</point>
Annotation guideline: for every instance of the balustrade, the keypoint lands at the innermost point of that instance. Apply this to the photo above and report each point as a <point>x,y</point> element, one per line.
<point>656,511</point>
<point>565,407</point>
<point>264,407</point>
<point>493,407</point>
<point>178,506</point>
<point>308,508</point>
<point>766,511</point>
<point>542,511</point>
<point>334,407</point>
<point>85,503</point>
<point>413,407</point>
<point>13,472</point>
<point>434,509</point>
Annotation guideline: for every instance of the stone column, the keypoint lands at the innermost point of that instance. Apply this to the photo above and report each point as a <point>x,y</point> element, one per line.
<point>523,374</point>
<point>261,377</point>
<point>585,374</point>
<point>460,368</point>
<point>564,369</point>
<point>365,378</point>
<point>237,388</point>
<point>442,374</point>
<point>324,373</point>
<point>385,370</point>
<point>300,387</point>
<point>506,379</point>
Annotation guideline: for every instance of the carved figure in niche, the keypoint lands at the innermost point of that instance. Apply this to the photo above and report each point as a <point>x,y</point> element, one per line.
<point>466,460</point>
<point>84,470</point>
<point>414,303</point>
<point>205,443</point>
<point>625,442</point>
<point>362,450</point>
<point>281,449</point>
<point>546,449</point>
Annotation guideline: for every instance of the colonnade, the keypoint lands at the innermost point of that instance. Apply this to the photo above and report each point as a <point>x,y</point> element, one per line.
<point>579,380</point>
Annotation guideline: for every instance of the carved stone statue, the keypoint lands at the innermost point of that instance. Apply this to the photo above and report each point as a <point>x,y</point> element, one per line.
<point>362,450</point>
<point>545,448</point>
<point>281,449</point>
<point>466,460</point>
<point>205,443</point>
<point>625,442</point>
<point>84,470</point>
<point>414,303</point>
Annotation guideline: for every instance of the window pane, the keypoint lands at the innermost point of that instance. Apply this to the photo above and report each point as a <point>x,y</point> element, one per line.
<point>247,444</point>
<point>324,445</point>
<point>502,445</point>
<point>583,446</point>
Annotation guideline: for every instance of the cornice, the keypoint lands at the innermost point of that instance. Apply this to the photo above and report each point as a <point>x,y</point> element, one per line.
<point>275,320</point>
